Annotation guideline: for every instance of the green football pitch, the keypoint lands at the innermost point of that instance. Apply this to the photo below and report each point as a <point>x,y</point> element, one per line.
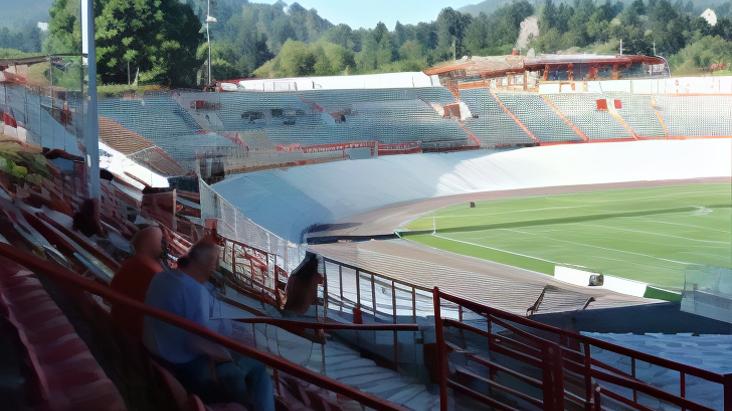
<point>647,234</point>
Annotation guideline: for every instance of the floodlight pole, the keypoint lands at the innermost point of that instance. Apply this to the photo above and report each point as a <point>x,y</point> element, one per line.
<point>91,135</point>
<point>208,39</point>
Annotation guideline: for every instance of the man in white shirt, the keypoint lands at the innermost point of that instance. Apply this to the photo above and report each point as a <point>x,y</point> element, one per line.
<point>204,368</point>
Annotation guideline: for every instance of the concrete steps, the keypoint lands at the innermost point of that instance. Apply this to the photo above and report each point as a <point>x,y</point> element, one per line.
<point>336,361</point>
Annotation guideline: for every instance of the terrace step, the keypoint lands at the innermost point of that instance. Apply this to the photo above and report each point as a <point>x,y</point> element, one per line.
<point>341,363</point>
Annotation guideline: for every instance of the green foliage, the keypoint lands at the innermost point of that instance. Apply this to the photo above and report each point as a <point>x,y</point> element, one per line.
<point>701,54</point>
<point>157,39</point>
<point>670,27</point>
<point>497,33</point>
<point>301,59</point>
<point>377,49</point>
<point>406,48</point>
<point>13,53</point>
<point>64,28</point>
<point>27,38</point>
<point>164,42</point>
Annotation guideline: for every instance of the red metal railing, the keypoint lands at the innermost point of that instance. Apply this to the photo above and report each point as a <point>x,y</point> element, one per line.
<point>339,295</point>
<point>254,269</point>
<point>560,355</point>
<point>555,352</point>
<point>67,277</point>
<point>522,339</point>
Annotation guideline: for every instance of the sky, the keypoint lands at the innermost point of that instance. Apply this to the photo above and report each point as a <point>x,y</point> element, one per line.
<point>366,13</point>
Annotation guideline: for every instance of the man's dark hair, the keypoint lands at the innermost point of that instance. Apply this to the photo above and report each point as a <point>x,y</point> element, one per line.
<point>196,252</point>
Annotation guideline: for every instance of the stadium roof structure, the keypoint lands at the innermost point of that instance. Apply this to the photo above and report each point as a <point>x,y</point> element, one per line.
<point>137,148</point>
<point>498,66</point>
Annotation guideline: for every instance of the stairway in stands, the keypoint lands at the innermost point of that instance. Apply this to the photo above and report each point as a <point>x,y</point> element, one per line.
<point>333,359</point>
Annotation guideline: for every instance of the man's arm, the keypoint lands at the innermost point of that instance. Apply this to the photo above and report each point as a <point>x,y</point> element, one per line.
<point>200,315</point>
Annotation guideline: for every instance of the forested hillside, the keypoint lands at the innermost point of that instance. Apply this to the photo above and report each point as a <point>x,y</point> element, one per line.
<point>17,13</point>
<point>164,41</point>
<point>279,40</point>
<point>722,7</point>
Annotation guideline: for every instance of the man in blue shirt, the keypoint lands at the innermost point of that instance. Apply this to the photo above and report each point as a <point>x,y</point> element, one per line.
<point>204,368</point>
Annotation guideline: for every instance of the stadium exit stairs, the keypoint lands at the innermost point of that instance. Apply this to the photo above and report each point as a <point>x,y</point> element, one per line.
<point>332,358</point>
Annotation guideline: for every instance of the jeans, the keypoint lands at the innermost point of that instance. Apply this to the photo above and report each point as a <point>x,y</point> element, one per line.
<point>242,380</point>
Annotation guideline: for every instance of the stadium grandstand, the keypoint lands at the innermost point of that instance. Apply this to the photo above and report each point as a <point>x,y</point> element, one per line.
<point>416,305</point>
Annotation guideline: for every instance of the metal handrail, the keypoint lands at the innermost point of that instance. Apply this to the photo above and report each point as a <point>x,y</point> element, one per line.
<point>615,377</point>
<point>385,277</point>
<point>64,275</point>
<point>688,369</point>
<point>328,325</point>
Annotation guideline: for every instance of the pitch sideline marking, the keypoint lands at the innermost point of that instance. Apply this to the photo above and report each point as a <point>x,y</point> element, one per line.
<point>600,247</point>
<point>698,227</point>
<point>586,202</point>
<point>494,249</point>
<point>650,233</point>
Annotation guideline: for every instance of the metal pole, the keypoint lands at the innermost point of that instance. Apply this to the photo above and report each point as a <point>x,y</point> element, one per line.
<point>727,384</point>
<point>442,368</point>
<point>91,136</point>
<point>208,40</point>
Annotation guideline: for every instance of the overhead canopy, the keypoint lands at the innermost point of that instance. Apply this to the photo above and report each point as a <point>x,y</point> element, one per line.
<point>496,66</point>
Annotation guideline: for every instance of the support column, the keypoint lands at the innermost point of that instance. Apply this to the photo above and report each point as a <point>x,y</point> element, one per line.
<point>91,132</point>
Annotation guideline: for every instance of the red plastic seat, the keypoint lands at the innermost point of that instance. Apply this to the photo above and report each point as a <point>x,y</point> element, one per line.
<point>50,326</point>
<point>20,290</point>
<point>51,336</point>
<point>176,391</point>
<point>56,372</point>
<point>68,377</point>
<point>66,352</point>
<point>15,280</point>
<point>37,317</point>
<point>231,406</point>
<point>32,297</point>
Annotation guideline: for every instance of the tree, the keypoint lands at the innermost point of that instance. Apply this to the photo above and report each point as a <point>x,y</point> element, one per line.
<point>477,34</point>
<point>451,26</point>
<point>548,17</point>
<point>26,38</point>
<point>175,56</point>
<point>159,38</point>
<point>64,28</point>
<point>376,50</point>
<point>341,35</point>
<point>411,50</point>
<point>401,35</point>
<point>701,54</point>
<point>300,59</point>
<point>124,32</point>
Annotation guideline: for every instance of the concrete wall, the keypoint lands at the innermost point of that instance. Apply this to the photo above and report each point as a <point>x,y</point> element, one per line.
<point>672,85</point>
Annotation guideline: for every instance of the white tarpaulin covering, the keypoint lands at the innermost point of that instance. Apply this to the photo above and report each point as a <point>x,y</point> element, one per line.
<point>288,201</point>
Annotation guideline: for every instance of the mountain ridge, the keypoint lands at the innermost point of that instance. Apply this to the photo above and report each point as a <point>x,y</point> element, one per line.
<point>31,11</point>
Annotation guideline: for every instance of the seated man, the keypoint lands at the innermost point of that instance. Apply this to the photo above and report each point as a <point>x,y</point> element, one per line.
<point>204,368</point>
<point>134,277</point>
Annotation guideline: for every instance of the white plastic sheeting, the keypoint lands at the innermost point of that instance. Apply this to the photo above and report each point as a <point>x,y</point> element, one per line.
<point>385,80</point>
<point>121,166</point>
<point>288,201</point>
